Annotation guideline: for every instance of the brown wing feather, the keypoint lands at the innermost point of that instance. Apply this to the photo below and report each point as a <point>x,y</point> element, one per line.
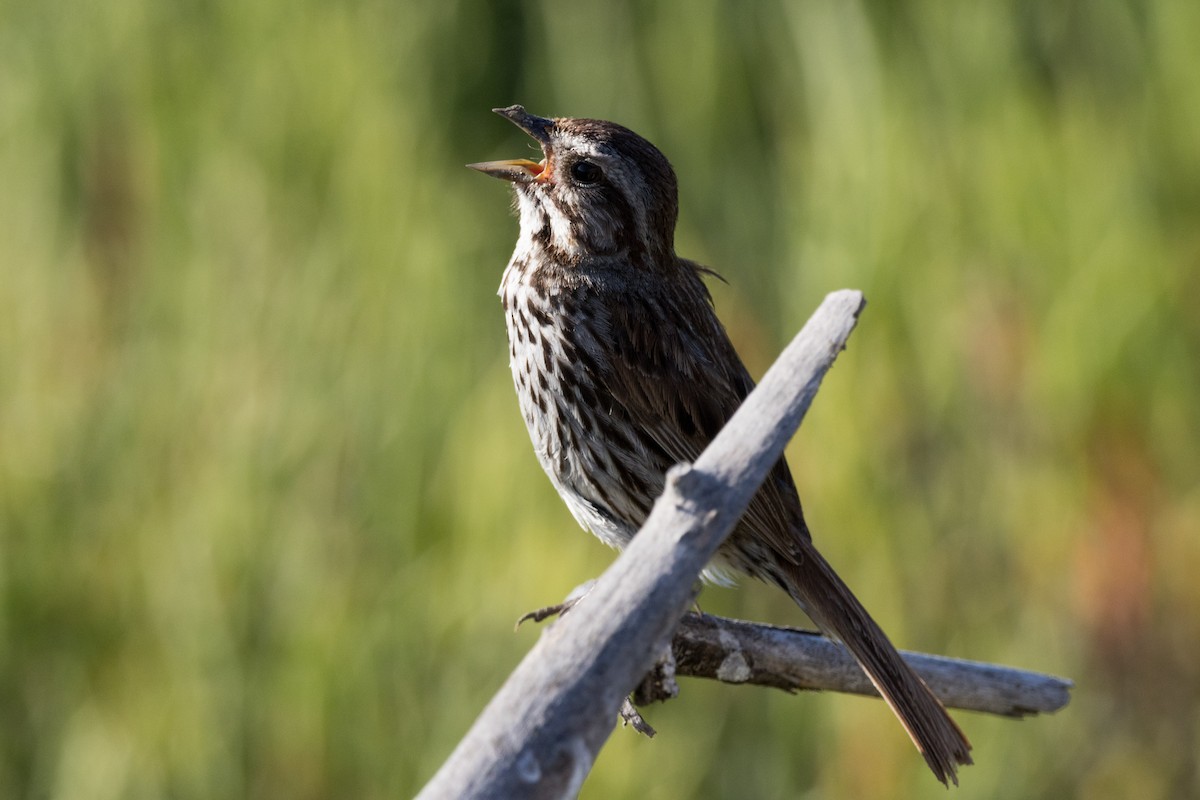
<point>680,384</point>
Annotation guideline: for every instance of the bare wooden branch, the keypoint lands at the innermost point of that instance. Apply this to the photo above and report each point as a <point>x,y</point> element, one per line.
<point>735,651</point>
<point>540,734</point>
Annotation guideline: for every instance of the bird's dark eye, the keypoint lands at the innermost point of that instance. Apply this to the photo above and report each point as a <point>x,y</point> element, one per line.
<point>585,172</point>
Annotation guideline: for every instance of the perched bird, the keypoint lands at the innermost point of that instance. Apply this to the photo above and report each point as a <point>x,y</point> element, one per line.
<point>623,370</point>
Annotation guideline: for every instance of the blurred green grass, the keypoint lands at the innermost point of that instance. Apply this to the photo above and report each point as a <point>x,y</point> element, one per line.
<point>268,509</point>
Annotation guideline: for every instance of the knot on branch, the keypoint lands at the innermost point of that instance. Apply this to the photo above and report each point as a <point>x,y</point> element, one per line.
<point>559,772</point>
<point>659,684</point>
<point>693,490</point>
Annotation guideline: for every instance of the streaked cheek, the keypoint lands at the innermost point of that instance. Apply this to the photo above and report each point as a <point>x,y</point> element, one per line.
<point>562,233</point>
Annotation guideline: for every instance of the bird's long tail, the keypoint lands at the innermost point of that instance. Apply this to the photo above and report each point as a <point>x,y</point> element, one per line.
<point>821,593</point>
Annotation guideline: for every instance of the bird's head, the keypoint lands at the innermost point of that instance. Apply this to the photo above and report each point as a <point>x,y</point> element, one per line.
<point>600,190</point>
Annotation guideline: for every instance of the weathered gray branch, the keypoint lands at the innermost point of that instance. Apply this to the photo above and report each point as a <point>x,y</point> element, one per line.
<point>541,733</point>
<point>734,651</point>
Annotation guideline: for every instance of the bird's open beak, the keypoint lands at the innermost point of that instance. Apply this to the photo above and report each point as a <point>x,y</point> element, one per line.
<point>520,170</point>
<point>517,170</point>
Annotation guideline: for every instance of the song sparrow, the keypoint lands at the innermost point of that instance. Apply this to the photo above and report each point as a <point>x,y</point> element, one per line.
<point>623,370</point>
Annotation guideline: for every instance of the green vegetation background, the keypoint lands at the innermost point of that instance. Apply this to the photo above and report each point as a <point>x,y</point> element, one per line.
<point>268,510</point>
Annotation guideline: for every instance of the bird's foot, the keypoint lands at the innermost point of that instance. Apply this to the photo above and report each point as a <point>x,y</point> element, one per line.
<point>632,717</point>
<point>559,609</point>
<point>659,685</point>
<point>541,614</point>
